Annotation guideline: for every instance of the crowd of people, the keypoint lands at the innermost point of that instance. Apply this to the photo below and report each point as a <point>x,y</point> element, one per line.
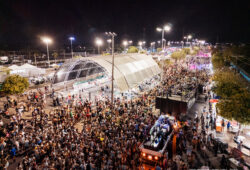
<point>182,81</point>
<point>52,139</point>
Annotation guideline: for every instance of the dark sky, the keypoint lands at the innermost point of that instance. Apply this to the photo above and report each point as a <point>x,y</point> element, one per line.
<point>23,21</point>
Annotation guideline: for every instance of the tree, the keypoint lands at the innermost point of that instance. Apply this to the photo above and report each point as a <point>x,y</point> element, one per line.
<point>227,83</point>
<point>186,50</point>
<point>15,84</point>
<point>168,62</point>
<point>55,55</point>
<point>218,60</point>
<point>6,70</point>
<point>77,56</point>
<point>35,55</point>
<point>132,49</point>
<point>178,55</point>
<point>195,50</point>
<point>237,108</point>
<point>159,49</point>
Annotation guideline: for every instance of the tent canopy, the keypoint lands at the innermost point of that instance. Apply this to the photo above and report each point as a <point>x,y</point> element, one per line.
<point>129,69</point>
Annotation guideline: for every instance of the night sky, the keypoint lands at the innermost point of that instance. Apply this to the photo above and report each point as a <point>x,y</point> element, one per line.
<point>23,21</point>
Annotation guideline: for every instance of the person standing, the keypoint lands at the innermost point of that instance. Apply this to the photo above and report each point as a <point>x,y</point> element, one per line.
<point>239,146</point>
<point>228,125</point>
<point>222,125</point>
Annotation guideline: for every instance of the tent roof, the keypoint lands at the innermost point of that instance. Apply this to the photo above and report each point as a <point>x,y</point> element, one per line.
<point>28,66</point>
<point>129,69</point>
<point>13,67</point>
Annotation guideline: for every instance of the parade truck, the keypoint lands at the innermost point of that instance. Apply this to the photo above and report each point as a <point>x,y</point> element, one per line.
<point>154,148</point>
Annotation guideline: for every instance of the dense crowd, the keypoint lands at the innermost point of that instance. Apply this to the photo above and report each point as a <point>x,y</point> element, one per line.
<point>51,139</point>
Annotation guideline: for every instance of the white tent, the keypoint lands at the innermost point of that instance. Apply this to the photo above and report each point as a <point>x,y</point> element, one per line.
<point>27,66</point>
<point>14,67</point>
<point>27,70</point>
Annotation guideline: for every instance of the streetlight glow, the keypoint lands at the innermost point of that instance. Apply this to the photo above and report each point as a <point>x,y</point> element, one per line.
<point>98,42</point>
<point>125,43</point>
<point>167,28</point>
<point>140,43</point>
<point>109,40</point>
<point>47,40</point>
<point>158,29</point>
<point>71,38</point>
<point>189,36</point>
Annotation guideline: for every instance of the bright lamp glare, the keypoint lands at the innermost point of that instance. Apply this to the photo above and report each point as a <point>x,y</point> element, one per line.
<point>125,43</point>
<point>140,43</point>
<point>98,42</point>
<point>190,36</point>
<point>72,38</point>
<point>167,28</point>
<point>109,40</point>
<point>46,40</point>
<point>158,29</point>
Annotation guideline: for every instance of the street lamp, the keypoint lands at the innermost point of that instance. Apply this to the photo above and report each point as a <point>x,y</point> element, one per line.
<point>47,41</point>
<point>166,28</point>
<point>71,39</point>
<point>140,44</point>
<point>109,42</point>
<point>125,43</point>
<point>112,34</point>
<point>99,43</point>
<point>152,46</point>
<point>187,37</point>
<point>130,42</point>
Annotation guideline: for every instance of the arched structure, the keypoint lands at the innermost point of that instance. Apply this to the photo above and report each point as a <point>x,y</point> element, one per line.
<point>129,69</point>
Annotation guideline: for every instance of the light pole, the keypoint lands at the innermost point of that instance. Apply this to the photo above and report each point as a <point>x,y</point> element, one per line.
<point>125,43</point>
<point>166,28</point>
<point>188,37</point>
<point>47,41</point>
<point>112,34</point>
<point>109,42</point>
<point>152,46</point>
<point>140,44</point>
<point>98,42</point>
<point>71,39</point>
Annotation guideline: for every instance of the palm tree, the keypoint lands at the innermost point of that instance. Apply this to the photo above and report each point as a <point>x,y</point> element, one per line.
<point>35,55</point>
<point>55,55</point>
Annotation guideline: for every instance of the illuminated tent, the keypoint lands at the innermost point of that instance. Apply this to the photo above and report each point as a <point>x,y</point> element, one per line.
<point>129,69</point>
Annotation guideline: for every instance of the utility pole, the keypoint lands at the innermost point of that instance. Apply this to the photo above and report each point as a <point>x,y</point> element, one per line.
<point>113,58</point>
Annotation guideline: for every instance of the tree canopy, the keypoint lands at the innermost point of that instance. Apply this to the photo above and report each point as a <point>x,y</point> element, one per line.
<point>178,55</point>
<point>186,50</point>
<point>227,83</point>
<point>235,96</point>
<point>159,49</point>
<point>237,107</point>
<point>132,49</point>
<point>15,84</point>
